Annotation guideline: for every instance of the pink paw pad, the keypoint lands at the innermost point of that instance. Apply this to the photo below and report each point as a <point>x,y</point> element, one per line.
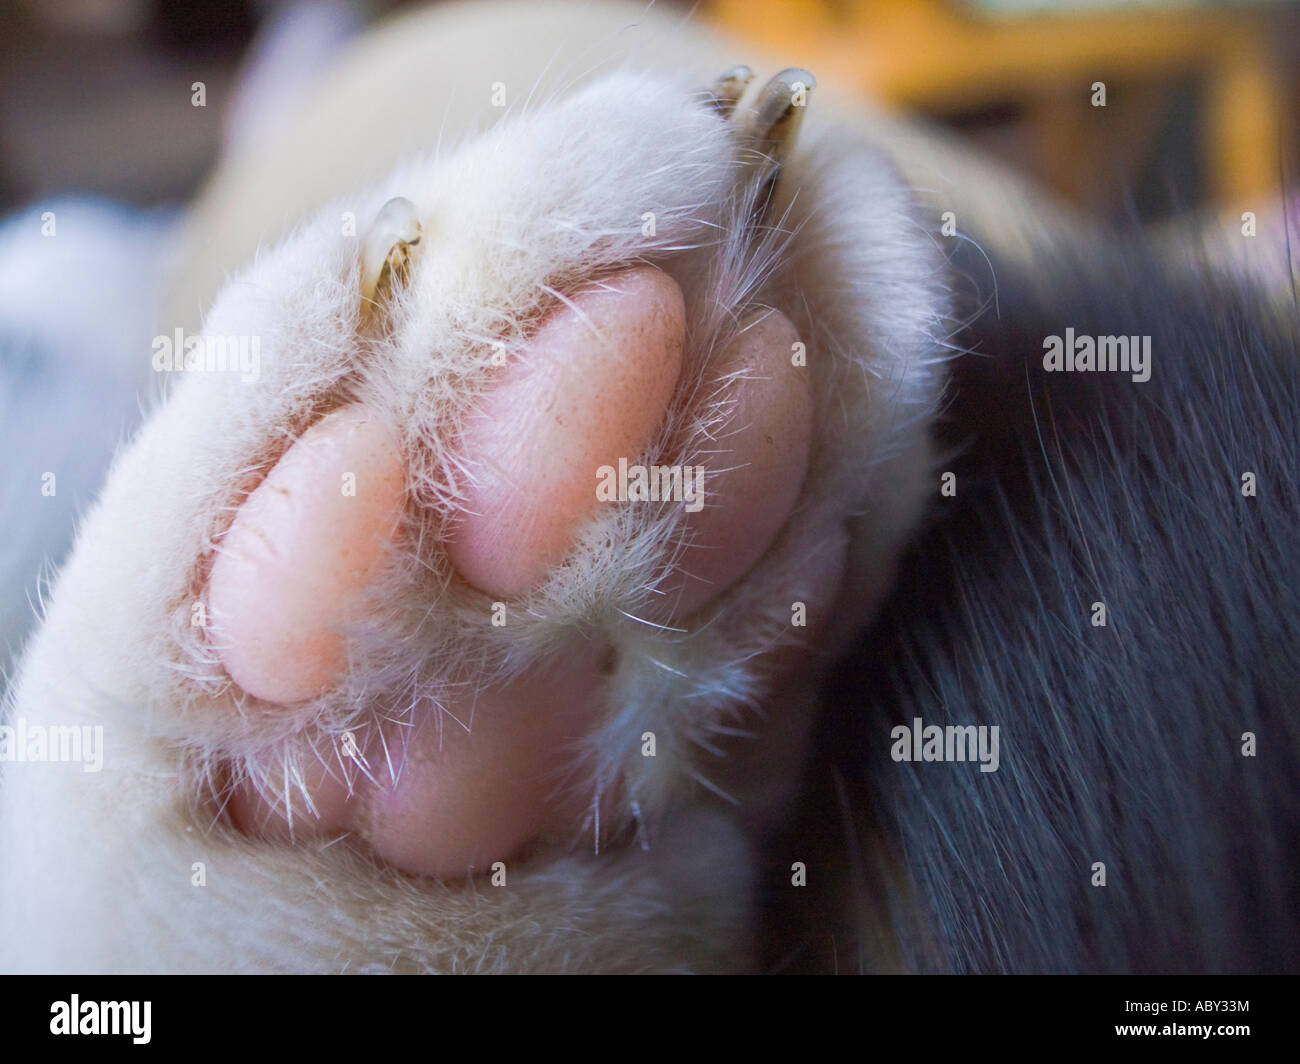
<point>483,775</point>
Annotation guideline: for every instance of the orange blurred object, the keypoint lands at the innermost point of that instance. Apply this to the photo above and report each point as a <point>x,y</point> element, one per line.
<point>938,57</point>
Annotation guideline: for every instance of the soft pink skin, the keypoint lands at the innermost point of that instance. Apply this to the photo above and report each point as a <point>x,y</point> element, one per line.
<point>300,552</point>
<point>755,473</point>
<point>576,399</point>
<point>466,800</point>
<point>477,778</point>
<point>493,770</point>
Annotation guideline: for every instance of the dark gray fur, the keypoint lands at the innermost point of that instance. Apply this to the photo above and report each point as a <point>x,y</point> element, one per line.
<point>1120,744</point>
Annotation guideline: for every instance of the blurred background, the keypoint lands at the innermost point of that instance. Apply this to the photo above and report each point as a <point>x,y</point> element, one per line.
<point>1200,108</point>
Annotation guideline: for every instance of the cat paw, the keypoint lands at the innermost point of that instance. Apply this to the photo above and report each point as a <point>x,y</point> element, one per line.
<point>522,536</point>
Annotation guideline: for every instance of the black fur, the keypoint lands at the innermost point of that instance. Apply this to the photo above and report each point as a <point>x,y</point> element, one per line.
<point>1120,744</point>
